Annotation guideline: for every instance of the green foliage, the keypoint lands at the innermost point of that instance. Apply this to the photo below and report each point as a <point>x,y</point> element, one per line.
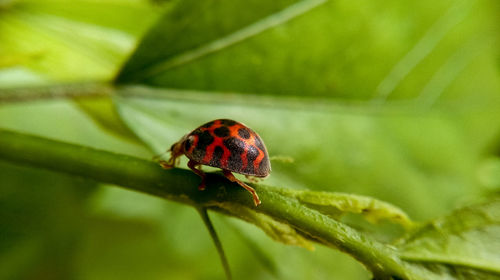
<point>467,238</point>
<point>340,149</point>
<point>277,230</point>
<point>39,236</point>
<point>389,111</point>
<point>67,40</point>
<point>338,204</point>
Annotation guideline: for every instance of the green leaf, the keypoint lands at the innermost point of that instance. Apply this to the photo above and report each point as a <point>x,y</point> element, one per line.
<point>61,40</point>
<point>278,231</point>
<point>215,30</point>
<point>338,204</point>
<point>99,13</point>
<point>102,111</point>
<point>467,239</point>
<point>71,40</point>
<point>489,173</point>
<point>314,48</point>
<point>42,214</point>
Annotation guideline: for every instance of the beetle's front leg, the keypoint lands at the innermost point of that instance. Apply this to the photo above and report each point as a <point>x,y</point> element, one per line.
<point>193,166</point>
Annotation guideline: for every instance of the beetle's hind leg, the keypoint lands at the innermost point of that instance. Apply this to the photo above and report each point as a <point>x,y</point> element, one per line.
<point>193,166</point>
<point>231,178</point>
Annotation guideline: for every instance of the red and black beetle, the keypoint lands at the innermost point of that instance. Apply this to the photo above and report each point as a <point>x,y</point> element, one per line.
<point>226,144</point>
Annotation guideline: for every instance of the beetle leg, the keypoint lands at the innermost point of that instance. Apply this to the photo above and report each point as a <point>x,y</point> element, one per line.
<point>193,165</point>
<point>175,153</point>
<point>231,178</point>
<point>158,157</point>
<point>166,164</point>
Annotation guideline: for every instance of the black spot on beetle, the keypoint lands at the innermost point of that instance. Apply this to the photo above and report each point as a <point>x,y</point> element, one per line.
<point>221,131</point>
<point>252,154</point>
<point>198,155</point>
<point>227,122</point>
<point>204,139</point>
<point>216,156</point>
<point>187,144</point>
<point>236,147</point>
<point>244,133</point>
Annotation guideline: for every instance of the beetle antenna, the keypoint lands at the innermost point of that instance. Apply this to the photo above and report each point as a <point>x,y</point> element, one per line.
<point>281,158</point>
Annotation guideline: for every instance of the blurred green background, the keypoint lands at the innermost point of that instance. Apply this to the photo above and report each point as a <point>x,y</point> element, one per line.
<point>398,100</point>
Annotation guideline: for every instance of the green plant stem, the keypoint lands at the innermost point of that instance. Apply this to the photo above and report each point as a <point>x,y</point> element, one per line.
<point>180,185</point>
<point>218,245</point>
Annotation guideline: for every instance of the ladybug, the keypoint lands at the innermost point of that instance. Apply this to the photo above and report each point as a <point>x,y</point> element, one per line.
<point>226,144</point>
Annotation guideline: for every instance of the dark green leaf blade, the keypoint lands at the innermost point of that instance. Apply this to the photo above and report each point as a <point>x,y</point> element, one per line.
<point>322,48</point>
<point>468,239</point>
<point>194,29</point>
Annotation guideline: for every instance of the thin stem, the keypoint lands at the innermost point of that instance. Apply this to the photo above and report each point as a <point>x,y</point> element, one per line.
<point>206,220</point>
<point>90,89</point>
<point>180,185</point>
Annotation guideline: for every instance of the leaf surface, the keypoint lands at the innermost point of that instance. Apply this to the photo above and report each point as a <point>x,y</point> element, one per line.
<point>338,204</point>
<point>65,40</point>
<point>468,239</point>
